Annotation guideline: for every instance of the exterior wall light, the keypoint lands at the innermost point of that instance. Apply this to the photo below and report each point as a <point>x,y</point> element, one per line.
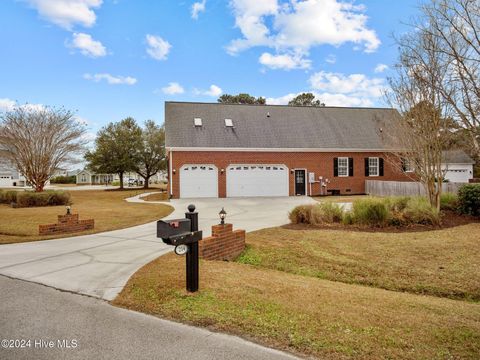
<point>222,171</point>
<point>69,208</point>
<point>223,215</point>
<point>174,171</point>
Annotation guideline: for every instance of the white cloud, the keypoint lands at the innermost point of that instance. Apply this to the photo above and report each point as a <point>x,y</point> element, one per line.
<point>331,59</point>
<point>66,13</point>
<point>197,8</point>
<point>173,88</point>
<point>157,47</point>
<point>285,61</point>
<point>113,80</point>
<point>300,25</point>
<point>353,84</point>
<point>7,104</point>
<point>381,68</point>
<point>87,45</point>
<point>213,91</point>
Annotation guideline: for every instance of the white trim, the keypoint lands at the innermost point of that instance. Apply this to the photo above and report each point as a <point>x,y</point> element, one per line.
<point>295,181</point>
<point>170,177</point>
<point>306,150</point>
<point>378,166</point>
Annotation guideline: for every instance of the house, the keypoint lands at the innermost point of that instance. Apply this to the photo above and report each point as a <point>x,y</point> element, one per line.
<point>86,177</point>
<point>10,176</point>
<point>227,150</point>
<point>458,166</point>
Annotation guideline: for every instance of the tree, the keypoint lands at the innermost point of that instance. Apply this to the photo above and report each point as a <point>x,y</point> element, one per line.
<point>305,99</point>
<point>423,131</point>
<point>455,26</point>
<point>37,140</point>
<point>241,99</point>
<point>117,149</point>
<point>151,152</point>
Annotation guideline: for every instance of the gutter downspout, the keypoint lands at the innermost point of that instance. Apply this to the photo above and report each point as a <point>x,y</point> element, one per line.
<point>170,179</point>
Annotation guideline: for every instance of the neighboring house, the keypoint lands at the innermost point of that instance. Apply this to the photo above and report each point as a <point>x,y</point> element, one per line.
<point>59,172</point>
<point>458,166</point>
<point>221,150</point>
<point>86,177</point>
<point>9,176</point>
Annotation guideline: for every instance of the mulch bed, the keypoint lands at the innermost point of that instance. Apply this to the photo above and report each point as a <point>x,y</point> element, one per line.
<point>449,219</point>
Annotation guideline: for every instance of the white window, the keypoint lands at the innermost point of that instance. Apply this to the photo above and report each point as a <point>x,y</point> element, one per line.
<point>197,121</point>
<point>407,165</point>
<point>373,164</point>
<point>343,166</point>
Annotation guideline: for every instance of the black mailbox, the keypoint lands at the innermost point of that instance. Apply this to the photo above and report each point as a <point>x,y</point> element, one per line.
<point>167,229</point>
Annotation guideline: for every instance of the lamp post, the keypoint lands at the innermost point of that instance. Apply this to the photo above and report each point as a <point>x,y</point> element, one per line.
<point>223,215</point>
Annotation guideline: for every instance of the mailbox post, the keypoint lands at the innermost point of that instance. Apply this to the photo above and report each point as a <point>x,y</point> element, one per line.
<point>184,235</point>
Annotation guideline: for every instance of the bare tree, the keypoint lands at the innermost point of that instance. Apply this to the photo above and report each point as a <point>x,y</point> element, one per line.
<point>422,131</point>
<point>455,26</point>
<point>38,140</point>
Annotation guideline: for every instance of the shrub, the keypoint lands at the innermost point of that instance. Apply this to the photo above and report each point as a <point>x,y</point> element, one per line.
<point>326,212</point>
<point>397,203</point>
<point>347,218</point>
<point>449,201</point>
<point>8,197</point>
<point>301,214</point>
<point>116,183</point>
<point>373,212</point>
<point>469,199</point>
<point>419,211</point>
<point>64,180</point>
<point>46,198</point>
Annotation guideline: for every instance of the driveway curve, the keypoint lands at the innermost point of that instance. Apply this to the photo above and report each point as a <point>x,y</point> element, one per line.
<point>100,264</point>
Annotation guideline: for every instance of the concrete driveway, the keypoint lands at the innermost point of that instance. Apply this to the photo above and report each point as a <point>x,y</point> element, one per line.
<point>100,264</point>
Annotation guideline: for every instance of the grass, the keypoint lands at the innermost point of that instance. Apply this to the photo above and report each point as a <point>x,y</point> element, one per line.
<point>306,315</point>
<point>442,263</point>
<point>156,197</point>
<point>108,208</point>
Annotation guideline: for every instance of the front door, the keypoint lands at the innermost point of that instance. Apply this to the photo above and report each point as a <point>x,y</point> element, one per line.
<point>300,182</point>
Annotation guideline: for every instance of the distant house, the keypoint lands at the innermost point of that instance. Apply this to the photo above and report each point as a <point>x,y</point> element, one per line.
<point>86,177</point>
<point>458,166</point>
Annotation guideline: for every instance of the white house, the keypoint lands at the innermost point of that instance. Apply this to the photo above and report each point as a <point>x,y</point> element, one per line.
<point>458,166</point>
<point>86,177</point>
<point>9,176</point>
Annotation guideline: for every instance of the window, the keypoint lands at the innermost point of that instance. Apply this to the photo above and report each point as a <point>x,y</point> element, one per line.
<point>84,178</point>
<point>407,165</point>
<point>228,123</point>
<point>373,165</point>
<point>343,166</point>
<point>197,122</point>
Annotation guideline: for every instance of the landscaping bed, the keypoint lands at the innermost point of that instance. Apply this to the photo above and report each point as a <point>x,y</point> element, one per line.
<point>108,208</point>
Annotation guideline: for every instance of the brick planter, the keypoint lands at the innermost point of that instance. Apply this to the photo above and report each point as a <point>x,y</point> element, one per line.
<point>224,244</point>
<point>66,224</point>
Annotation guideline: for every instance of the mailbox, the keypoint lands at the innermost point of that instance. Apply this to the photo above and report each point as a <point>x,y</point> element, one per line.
<point>184,235</point>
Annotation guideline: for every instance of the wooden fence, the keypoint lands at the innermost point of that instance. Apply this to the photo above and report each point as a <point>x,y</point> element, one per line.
<point>403,188</point>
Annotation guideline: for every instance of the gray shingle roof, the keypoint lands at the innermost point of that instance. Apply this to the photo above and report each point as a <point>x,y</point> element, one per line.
<point>285,127</point>
<point>456,157</point>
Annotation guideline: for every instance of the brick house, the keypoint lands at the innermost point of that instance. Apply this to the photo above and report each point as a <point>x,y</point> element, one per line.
<point>223,150</point>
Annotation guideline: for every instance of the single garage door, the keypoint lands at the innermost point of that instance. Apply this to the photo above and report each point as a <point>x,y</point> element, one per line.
<point>257,180</point>
<point>5,180</point>
<point>198,181</point>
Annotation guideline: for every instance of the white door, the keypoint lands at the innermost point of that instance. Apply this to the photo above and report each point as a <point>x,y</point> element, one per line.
<point>257,180</point>
<point>5,180</point>
<point>198,181</point>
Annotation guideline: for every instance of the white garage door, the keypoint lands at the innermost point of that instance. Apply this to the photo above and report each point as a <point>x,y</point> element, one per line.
<point>198,181</point>
<point>5,180</point>
<point>257,180</point>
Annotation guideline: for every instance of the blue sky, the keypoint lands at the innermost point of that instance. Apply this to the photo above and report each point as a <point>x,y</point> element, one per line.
<point>116,58</point>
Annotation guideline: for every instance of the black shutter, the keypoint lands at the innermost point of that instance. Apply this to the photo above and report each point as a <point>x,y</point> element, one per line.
<point>380,166</point>
<point>404,165</point>
<point>350,166</point>
<point>335,167</point>
<point>367,170</point>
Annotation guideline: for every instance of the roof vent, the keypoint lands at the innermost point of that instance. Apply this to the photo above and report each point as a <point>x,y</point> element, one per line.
<point>268,114</point>
<point>197,122</point>
<point>229,123</point>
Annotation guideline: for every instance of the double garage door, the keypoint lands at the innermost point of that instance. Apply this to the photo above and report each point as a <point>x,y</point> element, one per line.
<point>5,180</point>
<point>242,180</point>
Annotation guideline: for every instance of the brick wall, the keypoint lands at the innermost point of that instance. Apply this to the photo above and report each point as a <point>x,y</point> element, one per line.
<point>66,224</point>
<point>224,244</point>
<point>319,163</point>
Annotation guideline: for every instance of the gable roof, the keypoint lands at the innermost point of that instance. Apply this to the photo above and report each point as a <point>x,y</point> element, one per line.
<point>456,157</point>
<point>276,126</point>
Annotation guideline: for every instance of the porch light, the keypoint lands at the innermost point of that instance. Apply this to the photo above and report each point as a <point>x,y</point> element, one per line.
<point>69,208</point>
<point>223,215</point>
<point>222,171</point>
<point>174,171</point>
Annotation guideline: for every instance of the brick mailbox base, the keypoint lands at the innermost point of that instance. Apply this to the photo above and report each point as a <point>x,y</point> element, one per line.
<point>224,244</point>
<point>66,224</point>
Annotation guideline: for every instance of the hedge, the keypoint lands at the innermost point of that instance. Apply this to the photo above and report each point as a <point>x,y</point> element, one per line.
<point>469,199</point>
<point>34,199</point>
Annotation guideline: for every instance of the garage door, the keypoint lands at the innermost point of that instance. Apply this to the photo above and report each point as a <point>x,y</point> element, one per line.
<point>257,180</point>
<point>198,181</point>
<point>5,180</point>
